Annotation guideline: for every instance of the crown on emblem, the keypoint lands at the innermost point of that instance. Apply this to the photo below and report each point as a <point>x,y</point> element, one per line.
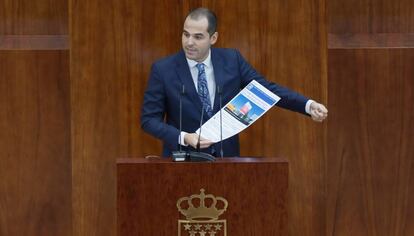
<point>201,211</point>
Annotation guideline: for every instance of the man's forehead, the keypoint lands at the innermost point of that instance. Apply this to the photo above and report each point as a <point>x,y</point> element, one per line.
<point>198,26</point>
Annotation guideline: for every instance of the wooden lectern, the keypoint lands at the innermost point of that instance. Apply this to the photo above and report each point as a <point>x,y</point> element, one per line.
<point>255,190</point>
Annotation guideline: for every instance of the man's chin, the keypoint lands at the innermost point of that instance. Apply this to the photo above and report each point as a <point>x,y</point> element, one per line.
<point>191,56</point>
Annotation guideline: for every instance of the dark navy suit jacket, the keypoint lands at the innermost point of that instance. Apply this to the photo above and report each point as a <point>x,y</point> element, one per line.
<point>160,110</point>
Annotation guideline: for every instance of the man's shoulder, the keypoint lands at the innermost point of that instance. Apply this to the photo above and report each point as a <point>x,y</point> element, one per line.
<point>230,55</point>
<point>169,60</point>
<point>225,51</point>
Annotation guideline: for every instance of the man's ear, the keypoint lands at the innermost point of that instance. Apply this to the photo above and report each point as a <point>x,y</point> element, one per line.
<point>213,38</point>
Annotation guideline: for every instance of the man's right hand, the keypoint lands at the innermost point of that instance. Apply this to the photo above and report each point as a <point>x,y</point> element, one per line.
<point>192,140</point>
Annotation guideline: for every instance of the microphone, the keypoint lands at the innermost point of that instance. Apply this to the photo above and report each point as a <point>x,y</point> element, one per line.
<point>182,92</point>
<point>201,123</point>
<point>220,93</point>
<point>198,156</point>
<point>180,155</point>
<point>190,156</point>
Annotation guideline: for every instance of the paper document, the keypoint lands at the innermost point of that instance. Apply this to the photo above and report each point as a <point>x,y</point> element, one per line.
<point>242,111</point>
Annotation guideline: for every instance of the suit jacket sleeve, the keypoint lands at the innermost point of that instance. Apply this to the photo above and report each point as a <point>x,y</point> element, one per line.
<point>289,99</point>
<point>153,111</point>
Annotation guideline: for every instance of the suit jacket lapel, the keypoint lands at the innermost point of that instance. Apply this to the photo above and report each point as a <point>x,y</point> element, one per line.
<point>184,74</point>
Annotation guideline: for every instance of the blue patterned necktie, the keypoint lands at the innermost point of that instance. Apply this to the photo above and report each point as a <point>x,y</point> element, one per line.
<point>203,89</point>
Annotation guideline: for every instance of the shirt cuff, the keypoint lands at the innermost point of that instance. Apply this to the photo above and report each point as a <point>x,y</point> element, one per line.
<point>307,106</point>
<point>181,139</point>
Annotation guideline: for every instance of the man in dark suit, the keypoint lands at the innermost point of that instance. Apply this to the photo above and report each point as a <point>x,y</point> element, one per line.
<point>197,74</point>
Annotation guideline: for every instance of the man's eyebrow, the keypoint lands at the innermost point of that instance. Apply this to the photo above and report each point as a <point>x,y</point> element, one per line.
<point>196,34</point>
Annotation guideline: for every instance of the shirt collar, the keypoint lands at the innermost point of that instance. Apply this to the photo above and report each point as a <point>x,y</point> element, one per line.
<point>206,62</point>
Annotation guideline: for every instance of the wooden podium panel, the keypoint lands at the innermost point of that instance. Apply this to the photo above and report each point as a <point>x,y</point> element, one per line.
<point>255,188</point>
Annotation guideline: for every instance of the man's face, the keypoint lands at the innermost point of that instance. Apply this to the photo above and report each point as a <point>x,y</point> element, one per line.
<point>196,40</point>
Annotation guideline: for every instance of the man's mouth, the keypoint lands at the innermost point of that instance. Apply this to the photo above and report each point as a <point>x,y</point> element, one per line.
<point>191,50</point>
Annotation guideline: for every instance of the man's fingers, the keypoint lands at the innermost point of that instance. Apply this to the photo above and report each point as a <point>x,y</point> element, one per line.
<point>322,108</point>
<point>205,143</point>
<point>321,113</point>
<point>192,140</point>
<point>319,107</point>
<point>318,119</point>
<point>318,112</point>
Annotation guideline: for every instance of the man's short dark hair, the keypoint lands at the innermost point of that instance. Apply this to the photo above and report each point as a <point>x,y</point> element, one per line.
<point>201,12</point>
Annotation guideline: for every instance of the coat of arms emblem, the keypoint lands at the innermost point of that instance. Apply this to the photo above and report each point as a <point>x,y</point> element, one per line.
<point>202,213</point>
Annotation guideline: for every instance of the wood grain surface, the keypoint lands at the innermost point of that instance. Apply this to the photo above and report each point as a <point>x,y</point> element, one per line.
<point>35,125</point>
<point>35,166</point>
<point>370,142</point>
<point>370,176</point>
<point>366,16</point>
<point>373,41</point>
<point>112,48</point>
<point>40,17</point>
<point>256,193</point>
<point>34,42</point>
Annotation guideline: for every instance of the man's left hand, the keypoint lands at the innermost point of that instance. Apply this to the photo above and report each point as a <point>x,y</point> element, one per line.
<point>318,111</point>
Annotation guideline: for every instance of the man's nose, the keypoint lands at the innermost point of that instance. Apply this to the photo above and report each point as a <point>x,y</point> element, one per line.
<point>190,41</point>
